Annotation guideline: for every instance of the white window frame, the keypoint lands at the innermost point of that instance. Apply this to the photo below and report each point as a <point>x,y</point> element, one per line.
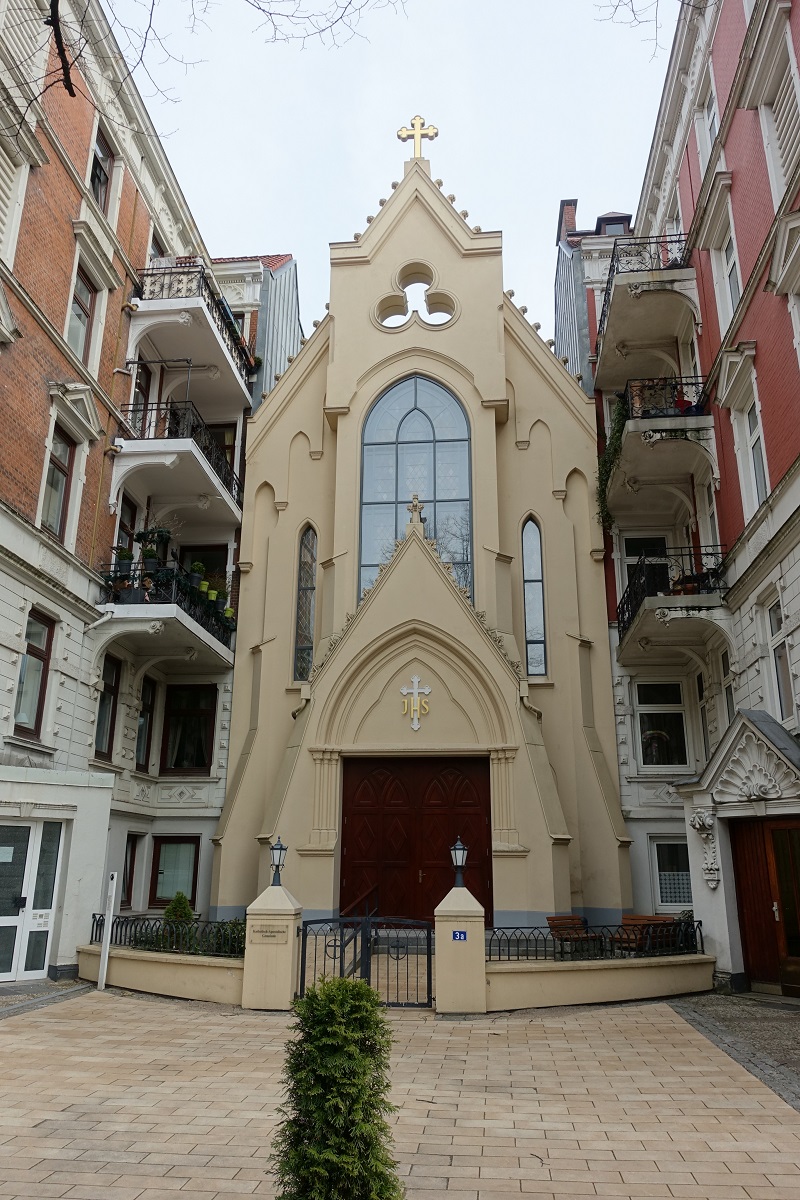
<point>659,905</point>
<point>701,684</point>
<point>72,408</point>
<point>704,128</point>
<point>727,703</point>
<point>755,438</point>
<point>721,266</point>
<point>111,215</point>
<point>92,364</point>
<point>740,393</point>
<point>778,640</point>
<point>625,560</point>
<point>709,522</point>
<point>662,768</point>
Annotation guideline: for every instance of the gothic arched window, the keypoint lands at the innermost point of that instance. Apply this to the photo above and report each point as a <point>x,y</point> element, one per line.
<point>416,441</point>
<point>533,582</point>
<point>306,589</point>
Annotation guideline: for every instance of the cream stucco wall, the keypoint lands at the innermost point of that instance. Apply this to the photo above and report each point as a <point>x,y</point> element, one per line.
<point>558,837</point>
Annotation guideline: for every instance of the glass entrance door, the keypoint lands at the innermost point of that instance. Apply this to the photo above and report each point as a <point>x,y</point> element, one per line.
<point>14,846</point>
<point>784,864</point>
<point>29,861</point>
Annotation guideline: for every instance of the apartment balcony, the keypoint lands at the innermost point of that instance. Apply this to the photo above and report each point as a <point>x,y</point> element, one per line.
<point>674,601</point>
<point>193,330</point>
<point>667,437</point>
<point>158,615</point>
<point>176,457</point>
<point>650,304</point>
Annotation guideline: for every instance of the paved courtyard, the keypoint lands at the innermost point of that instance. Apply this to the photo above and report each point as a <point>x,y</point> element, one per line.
<point>113,1097</point>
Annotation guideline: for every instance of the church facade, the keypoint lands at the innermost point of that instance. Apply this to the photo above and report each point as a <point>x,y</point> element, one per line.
<point>422,638</point>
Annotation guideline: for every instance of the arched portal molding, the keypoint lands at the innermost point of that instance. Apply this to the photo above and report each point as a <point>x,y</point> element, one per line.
<point>479,694</point>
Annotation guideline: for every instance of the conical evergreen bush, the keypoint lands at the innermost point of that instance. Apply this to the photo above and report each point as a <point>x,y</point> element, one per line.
<point>334,1141</point>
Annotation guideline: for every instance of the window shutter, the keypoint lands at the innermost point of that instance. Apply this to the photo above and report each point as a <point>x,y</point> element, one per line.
<point>8,175</point>
<point>786,116</point>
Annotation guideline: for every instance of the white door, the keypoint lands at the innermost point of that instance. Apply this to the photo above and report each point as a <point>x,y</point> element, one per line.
<point>29,861</point>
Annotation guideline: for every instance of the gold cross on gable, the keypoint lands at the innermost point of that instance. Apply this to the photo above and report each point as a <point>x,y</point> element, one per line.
<point>418,133</point>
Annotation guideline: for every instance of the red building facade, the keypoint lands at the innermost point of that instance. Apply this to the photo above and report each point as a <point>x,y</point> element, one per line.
<point>691,325</point>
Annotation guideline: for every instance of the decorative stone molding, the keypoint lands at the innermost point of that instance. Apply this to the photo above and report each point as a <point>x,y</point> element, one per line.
<point>326,802</point>
<point>702,822</point>
<point>505,838</point>
<point>756,773</point>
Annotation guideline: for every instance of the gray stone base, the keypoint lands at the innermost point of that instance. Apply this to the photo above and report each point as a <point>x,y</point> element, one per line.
<point>67,971</point>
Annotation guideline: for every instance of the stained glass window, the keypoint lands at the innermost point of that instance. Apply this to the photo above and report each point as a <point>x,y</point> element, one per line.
<point>416,442</point>
<point>533,582</point>
<point>306,588</point>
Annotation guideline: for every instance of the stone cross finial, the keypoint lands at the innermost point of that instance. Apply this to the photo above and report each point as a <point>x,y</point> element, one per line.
<point>418,133</point>
<point>415,508</point>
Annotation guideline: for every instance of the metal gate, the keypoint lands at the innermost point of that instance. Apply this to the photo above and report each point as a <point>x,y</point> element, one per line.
<point>393,955</point>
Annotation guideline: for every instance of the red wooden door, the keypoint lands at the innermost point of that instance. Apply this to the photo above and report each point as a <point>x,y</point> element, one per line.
<point>400,816</point>
<point>754,898</point>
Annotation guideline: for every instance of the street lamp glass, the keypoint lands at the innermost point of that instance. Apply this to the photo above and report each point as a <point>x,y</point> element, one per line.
<point>458,853</point>
<point>277,854</point>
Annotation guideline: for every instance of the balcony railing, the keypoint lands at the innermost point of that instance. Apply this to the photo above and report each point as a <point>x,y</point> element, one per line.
<point>180,419</point>
<point>646,399</point>
<point>132,583</point>
<point>683,571</point>
<point>666,253</point>
<point>184,283</point>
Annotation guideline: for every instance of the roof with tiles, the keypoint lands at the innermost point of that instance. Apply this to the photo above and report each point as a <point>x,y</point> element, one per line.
<point>270,261</point>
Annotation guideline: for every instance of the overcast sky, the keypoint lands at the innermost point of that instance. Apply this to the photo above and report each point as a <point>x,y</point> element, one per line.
<point>280,148</point>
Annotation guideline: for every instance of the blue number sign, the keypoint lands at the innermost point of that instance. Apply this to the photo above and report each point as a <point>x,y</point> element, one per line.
<point>459,935</point>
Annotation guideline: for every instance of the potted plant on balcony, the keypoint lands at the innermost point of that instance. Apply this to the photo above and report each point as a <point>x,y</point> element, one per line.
<point>124,558</point>
<point>222,597</point>
<point>196,573</point>
<point>150,540</point>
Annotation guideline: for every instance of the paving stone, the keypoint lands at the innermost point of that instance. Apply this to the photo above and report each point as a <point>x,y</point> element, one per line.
<point>122,1097</point>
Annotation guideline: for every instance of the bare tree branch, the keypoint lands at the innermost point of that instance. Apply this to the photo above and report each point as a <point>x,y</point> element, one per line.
<point>55,22</point>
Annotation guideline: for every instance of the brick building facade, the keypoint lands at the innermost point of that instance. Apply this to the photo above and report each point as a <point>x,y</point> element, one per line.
<point>692,316</point>
<point>125,382</point>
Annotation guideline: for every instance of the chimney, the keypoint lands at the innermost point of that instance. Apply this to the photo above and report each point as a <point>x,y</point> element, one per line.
<point>567,219</point>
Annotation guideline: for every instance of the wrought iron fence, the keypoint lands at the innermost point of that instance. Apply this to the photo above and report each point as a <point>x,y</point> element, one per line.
<point>666,253</point>
<point>656,398</point>
<point>222,939</point>
<point>185,281</point>
<point>180,419</point>
<point>682,571</point>
<point>393,955</point>
<point>134,583</point>
<point>539,943</point>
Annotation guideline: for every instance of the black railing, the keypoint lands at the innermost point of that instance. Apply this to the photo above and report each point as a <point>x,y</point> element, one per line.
<point>682,571</point>
<point>665,253</point>
<point>186,281</point>
<point>134,583</point>
<point>180,419</point>
<point>539,943</point>
<point>223,939</point>
<point>648,399</point>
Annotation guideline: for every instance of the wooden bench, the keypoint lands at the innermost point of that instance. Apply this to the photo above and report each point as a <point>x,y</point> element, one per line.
<point>568,929</point>
<point>644,931</point>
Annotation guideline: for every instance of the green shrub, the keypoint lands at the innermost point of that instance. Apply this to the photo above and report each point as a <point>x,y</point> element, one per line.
<point>178,909</point>
<point>334,1140</point>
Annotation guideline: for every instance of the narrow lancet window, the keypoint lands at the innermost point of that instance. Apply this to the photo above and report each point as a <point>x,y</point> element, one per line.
<point>533,583</point>
<point>306,589</point>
